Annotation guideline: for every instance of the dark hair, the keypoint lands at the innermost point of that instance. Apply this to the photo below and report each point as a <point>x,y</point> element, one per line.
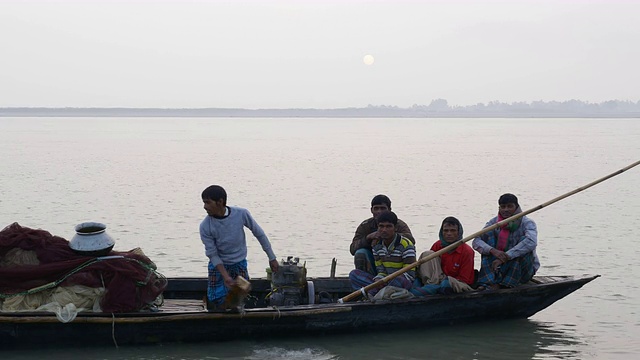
<point>452,221</point>
<point>508,199</point>
<point>387,216</point>
<point>381,200</point>
<point>215,193</point>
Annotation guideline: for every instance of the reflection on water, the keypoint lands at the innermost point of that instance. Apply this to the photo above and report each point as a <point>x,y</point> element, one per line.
<point>559,341</point>
<point>510,339</point>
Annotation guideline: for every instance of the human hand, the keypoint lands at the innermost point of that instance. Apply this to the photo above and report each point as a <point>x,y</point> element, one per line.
<point>273,264</point>
<point>373,238</point>
<point>229,282</point>
<point>495,265</point>
<point>374,235</point>
<point>500,255</point>
<point>378,277</point>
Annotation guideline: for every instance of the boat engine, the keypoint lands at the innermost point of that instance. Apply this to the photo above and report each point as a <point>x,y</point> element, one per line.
<point>289,285</point>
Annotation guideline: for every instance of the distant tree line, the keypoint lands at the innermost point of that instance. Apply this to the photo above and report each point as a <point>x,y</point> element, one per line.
<point>570,106</point>
<point>437,108</point>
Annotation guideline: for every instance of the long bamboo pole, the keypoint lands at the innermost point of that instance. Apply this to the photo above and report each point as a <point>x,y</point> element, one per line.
<point>392,276</point>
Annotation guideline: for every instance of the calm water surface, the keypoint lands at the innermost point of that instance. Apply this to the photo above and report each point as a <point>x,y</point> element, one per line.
<point>308,182</point>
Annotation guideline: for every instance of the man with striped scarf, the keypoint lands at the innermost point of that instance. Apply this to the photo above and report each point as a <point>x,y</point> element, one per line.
<point>509,252</point>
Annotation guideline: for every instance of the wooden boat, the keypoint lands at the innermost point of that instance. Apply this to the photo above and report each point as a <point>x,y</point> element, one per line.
<point>183,317</point>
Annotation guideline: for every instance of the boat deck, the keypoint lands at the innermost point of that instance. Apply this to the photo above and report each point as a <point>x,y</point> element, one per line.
<point>547,279</point>
<point>193,302</point>
<point>192,305</point>
<point>181,306</point>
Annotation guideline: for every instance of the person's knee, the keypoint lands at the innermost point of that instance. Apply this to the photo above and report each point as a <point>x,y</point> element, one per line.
<point>353,274</point>
<point>365,252</point>
<point>361,260</point>
<point>426,253</point>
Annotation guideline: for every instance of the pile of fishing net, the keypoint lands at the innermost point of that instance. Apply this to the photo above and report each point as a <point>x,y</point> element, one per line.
<point>40,272</point>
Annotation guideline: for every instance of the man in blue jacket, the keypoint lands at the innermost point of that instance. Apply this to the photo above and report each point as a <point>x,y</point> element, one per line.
<point>509,252</point>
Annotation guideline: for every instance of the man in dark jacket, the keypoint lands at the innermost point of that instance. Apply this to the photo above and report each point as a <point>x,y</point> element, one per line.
<point>367,235</point>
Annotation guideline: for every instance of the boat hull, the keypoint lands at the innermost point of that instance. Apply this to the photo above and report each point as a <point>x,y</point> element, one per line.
<point>184,319</point>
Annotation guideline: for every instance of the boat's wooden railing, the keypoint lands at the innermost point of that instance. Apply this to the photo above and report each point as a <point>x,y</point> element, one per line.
<point>196,288</point>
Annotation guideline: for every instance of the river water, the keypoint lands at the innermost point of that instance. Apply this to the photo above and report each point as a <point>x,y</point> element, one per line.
<point>308,183</point>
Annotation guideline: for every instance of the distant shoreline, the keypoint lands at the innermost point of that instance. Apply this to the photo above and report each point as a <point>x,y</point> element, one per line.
<point>368,112</point>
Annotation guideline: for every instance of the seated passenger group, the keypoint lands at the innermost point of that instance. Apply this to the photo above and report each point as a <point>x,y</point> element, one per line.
<point>383,244</point>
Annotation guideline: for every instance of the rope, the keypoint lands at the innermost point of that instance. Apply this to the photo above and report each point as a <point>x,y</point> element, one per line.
<point>279,314</point>
<point>81,267</point>
<point>113,330</point>
<point>51,284</point>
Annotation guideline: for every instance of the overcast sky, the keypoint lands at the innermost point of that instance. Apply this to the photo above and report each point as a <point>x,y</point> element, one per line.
<point>303,54</point>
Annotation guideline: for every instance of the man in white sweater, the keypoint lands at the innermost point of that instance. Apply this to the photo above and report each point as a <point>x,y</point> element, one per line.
<point>222,233</point>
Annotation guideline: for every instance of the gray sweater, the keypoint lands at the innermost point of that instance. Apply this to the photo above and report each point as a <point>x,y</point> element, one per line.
<point>224,239</point>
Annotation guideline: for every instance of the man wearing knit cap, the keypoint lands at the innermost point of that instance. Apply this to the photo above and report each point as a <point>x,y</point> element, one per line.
<point>509,252</point>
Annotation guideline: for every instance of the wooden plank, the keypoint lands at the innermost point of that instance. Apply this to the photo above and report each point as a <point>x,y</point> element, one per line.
<point>181,306</point>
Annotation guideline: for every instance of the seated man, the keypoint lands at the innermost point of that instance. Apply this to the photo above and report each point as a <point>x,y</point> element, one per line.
<point>451,271</point>
<point>391,253</point>
<point>508,253</point>
<point>367,234</point>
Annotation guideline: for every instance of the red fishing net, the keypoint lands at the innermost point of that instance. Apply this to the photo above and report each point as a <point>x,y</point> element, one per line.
<point>130,278</point>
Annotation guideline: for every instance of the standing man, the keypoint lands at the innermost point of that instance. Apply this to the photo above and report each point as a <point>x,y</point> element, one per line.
<point>451,271</point>
<point>508,253</point>
<point>367,235</point>
<point>392,253</point>
<point>225,244</point>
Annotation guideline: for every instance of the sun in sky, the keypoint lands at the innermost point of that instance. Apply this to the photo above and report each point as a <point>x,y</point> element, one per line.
<point>368,59</point>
